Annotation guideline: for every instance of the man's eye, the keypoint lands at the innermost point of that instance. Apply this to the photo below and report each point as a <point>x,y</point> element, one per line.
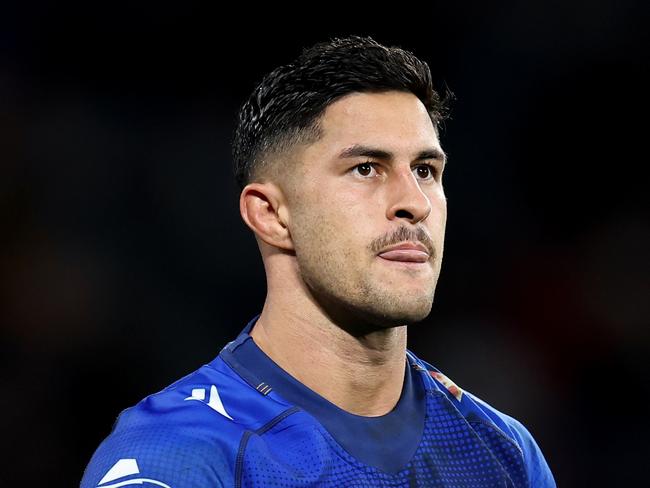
<point>364,169</point>
<point>425,171</point>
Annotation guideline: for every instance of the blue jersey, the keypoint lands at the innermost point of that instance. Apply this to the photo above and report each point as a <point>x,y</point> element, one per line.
<point>242,421</point>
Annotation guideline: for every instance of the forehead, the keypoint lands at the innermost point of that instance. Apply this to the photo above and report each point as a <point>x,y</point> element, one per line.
<point>394,120</point>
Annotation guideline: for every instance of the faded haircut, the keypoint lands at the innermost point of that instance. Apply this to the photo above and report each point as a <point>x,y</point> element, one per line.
<point>285,108</point>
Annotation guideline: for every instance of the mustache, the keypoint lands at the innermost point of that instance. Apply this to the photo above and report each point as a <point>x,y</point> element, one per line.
<point>401,234</point>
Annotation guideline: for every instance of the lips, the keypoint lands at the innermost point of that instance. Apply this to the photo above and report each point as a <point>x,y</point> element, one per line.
<point>408,253</point>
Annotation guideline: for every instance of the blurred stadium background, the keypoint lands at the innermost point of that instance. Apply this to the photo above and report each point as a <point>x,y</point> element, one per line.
<point>124,264</point>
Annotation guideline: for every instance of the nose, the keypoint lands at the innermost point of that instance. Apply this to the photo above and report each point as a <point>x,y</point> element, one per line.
<point>407,200</point>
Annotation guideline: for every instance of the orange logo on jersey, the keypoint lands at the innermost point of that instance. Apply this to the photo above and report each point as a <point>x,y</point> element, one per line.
<point>450,385</point>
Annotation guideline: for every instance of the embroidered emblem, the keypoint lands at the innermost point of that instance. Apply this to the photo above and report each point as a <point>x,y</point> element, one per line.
<point>450,385</point>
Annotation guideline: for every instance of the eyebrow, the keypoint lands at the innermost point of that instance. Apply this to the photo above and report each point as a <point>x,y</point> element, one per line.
<point>373,152</point>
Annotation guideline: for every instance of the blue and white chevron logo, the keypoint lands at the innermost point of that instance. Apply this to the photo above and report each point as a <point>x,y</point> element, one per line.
<point>122,469</point>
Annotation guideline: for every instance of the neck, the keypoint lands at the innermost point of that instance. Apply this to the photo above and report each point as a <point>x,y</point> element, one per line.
<point>362,375</point>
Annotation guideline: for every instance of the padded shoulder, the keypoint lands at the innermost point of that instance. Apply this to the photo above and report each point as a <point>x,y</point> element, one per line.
<point>476,410</point>
<point>538,469</point>
<point>171,453</point>
<point>186,435</point>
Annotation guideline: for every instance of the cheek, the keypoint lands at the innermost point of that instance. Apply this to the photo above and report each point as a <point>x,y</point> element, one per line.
<point>339,209</point>
<point>333,235</point>
<point>312,230</point>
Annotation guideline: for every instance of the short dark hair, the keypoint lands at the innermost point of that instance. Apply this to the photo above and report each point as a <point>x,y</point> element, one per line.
<point>286,106</point>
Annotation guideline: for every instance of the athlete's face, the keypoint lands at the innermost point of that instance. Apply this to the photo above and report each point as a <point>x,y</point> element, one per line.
<point>348,209</point>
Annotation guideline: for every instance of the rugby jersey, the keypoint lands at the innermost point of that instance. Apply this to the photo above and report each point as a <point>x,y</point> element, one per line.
<point>242,421</point>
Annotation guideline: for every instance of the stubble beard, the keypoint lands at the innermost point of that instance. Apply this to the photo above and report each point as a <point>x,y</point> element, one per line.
<point>356,299</point>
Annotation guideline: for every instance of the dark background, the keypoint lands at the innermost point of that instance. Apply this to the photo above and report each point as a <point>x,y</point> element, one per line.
<point>124,264</point>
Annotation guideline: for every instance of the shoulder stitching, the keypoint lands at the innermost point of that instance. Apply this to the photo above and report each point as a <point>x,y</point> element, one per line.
<point>239,464</point>
<point>498,431</point>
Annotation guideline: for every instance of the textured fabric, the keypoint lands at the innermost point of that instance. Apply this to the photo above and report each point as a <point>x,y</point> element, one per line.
<point>228,424</point>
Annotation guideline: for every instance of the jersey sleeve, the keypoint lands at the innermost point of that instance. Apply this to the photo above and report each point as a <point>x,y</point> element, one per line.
<point>539,472</point>
<point>161,455</point>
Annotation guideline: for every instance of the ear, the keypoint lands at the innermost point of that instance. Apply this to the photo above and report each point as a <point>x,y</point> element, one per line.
<point>263,208</point>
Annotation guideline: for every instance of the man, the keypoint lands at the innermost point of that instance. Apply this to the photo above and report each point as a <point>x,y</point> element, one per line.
<point>340,166</point>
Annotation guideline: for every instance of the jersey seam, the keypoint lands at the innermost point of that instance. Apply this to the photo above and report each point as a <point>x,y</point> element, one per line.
<point>274,421</point>
<point>240,458</point>
<point>499,432</point>
<point>490,424</point>
<point>239,463</point>
<point>511,441</point>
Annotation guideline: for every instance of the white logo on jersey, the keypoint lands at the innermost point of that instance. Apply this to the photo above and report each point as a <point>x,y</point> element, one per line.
<point>214,402</point>
<point>126,467</point>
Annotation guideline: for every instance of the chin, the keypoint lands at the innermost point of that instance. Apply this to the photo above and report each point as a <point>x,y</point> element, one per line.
<point>415,315</point>
<point>375,311</point>
<point>401,313</point>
